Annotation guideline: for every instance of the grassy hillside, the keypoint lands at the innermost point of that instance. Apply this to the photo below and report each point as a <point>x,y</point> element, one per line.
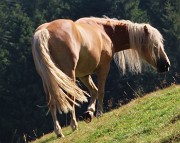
<point>154,118</point>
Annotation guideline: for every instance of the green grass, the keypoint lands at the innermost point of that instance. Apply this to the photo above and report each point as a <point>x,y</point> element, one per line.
<point>154,118</point>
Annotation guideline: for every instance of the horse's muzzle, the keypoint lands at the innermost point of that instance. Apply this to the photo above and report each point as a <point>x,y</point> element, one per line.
<point>163,65</point>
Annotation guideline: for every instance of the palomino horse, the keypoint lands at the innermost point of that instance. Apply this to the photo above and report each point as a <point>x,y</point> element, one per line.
<point>63,50</point>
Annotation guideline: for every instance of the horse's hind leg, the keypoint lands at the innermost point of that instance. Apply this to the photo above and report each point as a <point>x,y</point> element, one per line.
<point>88,82</point>
<point>74,124</point>
<point>57,127</point>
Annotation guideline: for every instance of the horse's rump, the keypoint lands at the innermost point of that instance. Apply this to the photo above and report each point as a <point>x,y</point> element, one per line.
<point>57,85</point>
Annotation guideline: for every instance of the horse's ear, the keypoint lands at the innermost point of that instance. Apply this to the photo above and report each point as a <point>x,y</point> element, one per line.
<point>146,30</point>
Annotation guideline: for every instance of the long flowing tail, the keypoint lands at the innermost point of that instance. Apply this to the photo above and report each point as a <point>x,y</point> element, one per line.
<point>57,85</point>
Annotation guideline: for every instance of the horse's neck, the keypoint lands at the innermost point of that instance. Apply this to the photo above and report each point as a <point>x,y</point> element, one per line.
<point>119,36</point>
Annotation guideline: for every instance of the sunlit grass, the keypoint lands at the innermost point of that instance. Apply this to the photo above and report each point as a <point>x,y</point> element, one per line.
<point>154,118</point>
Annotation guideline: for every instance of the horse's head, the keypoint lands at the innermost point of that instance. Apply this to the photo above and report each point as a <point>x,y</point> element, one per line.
<point>153,49</point>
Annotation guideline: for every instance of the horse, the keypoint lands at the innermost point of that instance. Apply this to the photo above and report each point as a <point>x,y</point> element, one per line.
<point>64,50</point>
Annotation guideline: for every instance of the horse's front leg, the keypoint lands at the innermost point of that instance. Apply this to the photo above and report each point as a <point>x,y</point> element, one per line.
<point>102,76</point>
<point>88,82</point>
<point>57,127</point>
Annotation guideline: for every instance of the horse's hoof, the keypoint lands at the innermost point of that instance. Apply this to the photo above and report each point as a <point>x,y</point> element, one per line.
<point>99,114</point>
<point>60,136</point>
<point>74,127</point>
<point>87,116</point>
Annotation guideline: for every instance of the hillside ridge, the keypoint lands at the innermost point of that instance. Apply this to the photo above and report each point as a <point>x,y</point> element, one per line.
<point>152,118</point>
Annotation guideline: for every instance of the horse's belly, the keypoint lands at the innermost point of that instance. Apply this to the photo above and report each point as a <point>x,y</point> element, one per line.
<point>87,65</point>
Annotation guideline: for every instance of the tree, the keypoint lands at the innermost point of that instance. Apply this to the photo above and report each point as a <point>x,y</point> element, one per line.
<point>127,9</point>
<point>17,70</point>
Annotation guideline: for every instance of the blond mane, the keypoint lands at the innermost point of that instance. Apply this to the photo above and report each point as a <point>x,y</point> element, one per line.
<point>137,38</point>
<point>132,57</point>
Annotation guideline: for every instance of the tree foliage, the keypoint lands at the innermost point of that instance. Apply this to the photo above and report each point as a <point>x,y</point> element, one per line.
<point>20,86</point>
